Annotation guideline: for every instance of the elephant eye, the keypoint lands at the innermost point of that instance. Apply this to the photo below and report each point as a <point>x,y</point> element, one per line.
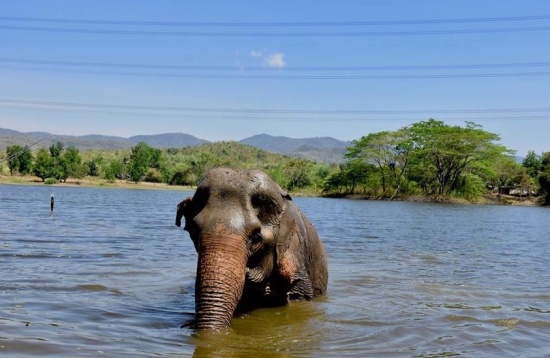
<point>256,237</point>
<point>264,206</point>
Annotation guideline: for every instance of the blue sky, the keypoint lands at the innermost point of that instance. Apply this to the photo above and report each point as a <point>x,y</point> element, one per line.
<point>226,70</point>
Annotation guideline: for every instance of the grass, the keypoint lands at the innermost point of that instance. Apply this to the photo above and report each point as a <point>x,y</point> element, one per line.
<point>88,182</point>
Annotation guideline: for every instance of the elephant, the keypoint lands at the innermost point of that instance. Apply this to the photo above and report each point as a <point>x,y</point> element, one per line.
<point>255,247</point>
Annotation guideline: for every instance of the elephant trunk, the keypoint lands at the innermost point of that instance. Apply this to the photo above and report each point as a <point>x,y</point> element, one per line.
<point>220,279</point>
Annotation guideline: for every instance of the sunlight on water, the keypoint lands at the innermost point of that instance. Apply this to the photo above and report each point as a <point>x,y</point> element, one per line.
<point>110,275</point>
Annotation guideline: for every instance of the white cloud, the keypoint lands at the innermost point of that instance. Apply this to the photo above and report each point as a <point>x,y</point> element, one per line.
<point>275,60</point>
<point>256,54</point>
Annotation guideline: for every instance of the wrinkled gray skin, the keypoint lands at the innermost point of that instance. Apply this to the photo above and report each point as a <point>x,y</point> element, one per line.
<point>255,248</point>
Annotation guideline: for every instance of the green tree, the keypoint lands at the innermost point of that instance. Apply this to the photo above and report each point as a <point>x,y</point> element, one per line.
<point>58,168</point>
<point>389,152</point>
<point>19,159</point>
<point>507,173</point>
<point>532,163</point>
<point>544,178</point>
<point>114,169</point>
<point>297,174</point>
<point>92,168</point>
<point>56,149</point>
<point>352,174</point>
<point>43,164</point>
<point>140,161</point>
<point>450,150</point>
<point>72,160</point>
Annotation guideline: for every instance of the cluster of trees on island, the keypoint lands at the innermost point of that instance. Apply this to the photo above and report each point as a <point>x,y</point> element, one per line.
<point>427,158</point>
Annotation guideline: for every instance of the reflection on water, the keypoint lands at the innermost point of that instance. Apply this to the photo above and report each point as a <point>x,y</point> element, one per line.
<point>275,332</point>
<point>111,275</point>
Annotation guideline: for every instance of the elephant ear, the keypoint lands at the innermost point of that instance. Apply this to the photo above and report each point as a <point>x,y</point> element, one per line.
<point>288,240</point>
<point>187,208</point>
<point>285,194</point>
<point>183,209</point>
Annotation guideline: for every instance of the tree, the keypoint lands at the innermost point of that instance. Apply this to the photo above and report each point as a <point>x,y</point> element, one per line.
<point>92,168</point>
<point>56,149</point>
<point>388,151</point>
<point>450,150</point>
<point>43,164</point>
<point>352,174</point>
<point>73,163</point>
<point>544,178</point>
<point>13,152</point>
<point>140,161</point>
<point>113,170</point>
<point>532,163</point>
<point>58,168</point>
<point>373,149</point>
<point>297,174</point>
<point>508,173</point>
<point>19,159</point>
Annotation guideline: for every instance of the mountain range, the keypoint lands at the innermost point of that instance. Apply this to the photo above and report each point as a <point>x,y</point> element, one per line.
<point>324,149</point>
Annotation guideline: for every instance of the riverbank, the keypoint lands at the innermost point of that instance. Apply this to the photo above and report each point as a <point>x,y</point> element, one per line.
<point>91,182</point>
<point>487,199</point>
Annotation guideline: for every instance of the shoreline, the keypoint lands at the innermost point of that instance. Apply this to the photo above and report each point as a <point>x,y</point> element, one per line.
<point>91,183</point>
<point>486,199</point>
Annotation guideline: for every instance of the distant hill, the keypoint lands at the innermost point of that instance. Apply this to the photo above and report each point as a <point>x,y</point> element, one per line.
<point>169,140</point>
<point>324,149</point>
<point>95,141</point>
<point>286,144</point>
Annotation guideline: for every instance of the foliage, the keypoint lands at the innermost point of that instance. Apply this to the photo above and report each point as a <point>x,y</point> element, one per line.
<point>471,187</point>
<point>187,166</point>
<point>19,159</point>
<point>59,163</point>
<point>544,178</point>
<point>43,164</point>
<point>113,169</point>
<point>153,176</point>
<point>73,163</point>
<point>388,152</point>
<point>450,150</point>
<point>430,156</point>
<point>427,158</point>
<point>532,163</point>
<point>92,168</point>
<point>142,159</point>
<point>506,173</point>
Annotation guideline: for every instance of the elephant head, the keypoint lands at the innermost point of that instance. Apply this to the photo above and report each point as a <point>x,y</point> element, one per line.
<point>255,248</point>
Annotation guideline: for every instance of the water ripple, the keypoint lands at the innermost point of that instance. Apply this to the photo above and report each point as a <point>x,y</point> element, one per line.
<point>406,279</point>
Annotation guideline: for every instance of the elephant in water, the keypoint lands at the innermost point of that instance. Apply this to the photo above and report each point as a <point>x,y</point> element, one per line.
<point>255,247</point>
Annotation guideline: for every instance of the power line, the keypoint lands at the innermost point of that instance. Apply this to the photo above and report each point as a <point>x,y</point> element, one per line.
<point>26,148</point>
<point>279,69</point>
<point>276,24</point>
<point>255,117</point>
<point>80,105</point>
<point>278,34</point>
<point>287,77</point>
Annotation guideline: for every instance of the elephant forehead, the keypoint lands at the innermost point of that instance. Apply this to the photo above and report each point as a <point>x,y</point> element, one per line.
<point>261,180</point>
<point>230,179</point>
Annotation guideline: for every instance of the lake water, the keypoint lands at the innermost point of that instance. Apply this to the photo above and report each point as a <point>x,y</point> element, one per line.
<point>111,275</point>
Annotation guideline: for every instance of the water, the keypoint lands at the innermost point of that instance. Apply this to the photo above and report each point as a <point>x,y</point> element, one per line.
<point>110,275</point>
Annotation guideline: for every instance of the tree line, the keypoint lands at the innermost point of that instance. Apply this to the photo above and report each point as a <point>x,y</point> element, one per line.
<point>428,158</point>
<point>434,159</point>
<point>173,166</point>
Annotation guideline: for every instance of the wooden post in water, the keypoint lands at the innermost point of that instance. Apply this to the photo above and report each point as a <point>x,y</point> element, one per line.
<point>52,203</point>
